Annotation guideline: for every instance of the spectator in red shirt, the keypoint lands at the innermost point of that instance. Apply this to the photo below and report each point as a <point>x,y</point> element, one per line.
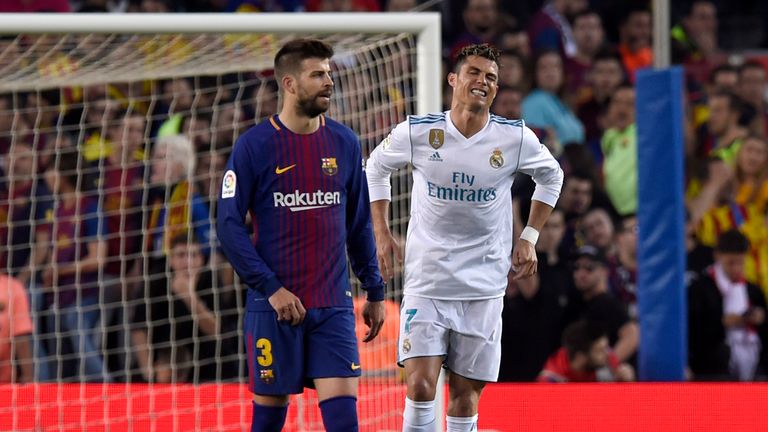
<point>585,357</point>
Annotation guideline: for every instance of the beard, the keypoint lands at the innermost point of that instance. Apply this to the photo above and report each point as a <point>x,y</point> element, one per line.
<point>311,106</point>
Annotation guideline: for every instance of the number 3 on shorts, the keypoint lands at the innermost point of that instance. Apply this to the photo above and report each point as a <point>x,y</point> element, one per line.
<point>265,359</point>
<point>411,313</point>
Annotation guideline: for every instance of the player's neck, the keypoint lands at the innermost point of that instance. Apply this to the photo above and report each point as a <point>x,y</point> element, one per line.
<point>298,123</point>
<point>468,122</point>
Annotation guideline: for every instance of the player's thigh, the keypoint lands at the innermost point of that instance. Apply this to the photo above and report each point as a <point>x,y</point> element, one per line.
<point>275,354</point>
<point>475,340</point>
<point>423,332</point>
<point>331,344</point>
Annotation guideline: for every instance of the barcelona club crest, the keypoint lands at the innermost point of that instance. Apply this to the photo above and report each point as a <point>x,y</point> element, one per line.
<point>267,376</point>
<point>329,166</point>
<point>436,138</point>
<point>497,160</point>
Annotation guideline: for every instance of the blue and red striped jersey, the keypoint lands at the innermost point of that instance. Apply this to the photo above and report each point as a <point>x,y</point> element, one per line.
<point>308,199</point>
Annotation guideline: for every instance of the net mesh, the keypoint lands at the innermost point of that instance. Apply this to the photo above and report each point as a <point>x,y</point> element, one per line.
<point>113,149</point>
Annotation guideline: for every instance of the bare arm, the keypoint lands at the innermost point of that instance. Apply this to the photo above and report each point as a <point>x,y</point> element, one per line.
<point>141,349</point>
<point>97,256</point>
<point>629,338</point>
<point>539,214</point>
<point>39,254</point>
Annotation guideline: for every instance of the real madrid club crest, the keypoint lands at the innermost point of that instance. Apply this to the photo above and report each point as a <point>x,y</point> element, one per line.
<point>329,166</point>
<point>267,376</point>
<point>497,160</point>
<point>406,345</point>
<point>436,138</point>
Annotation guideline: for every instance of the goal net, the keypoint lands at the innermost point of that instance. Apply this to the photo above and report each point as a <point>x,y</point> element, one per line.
<point>114,132</point>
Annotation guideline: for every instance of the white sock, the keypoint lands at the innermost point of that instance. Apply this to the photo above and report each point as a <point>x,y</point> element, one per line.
<point>419,416</point>
<point>462,424</point>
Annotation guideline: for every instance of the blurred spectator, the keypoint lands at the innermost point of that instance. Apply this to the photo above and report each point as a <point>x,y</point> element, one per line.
<point>635,41</point>
<point>751,173</point>
<point>549,29</point>
<point>15,333</point>
<point>726,314</point>
<point>34,6</point>
<point>512,37</point>
<point>694,41</point>
<point>724,78</point>
<point>25,203</point>
<point>753,88</point>
<point>723,134</point>
<point>699,257</point>
<point>599,231</point>
<point>619,145</point>
<point>174,206</point>
<point>209,175</point>
<point>508,102</point>
<point>590,39</point>
<point>622,267</point>
<point>230,121</point>
<point>513,71</point>
<point>605,76</point>
<point>575,200</point>
<point>531,321</point>
<point>596,304</point>
<point>77,253</point>
<point>585,357</point>
<point>544,107</point>
<point>481,18</point>
<point>180,314</point>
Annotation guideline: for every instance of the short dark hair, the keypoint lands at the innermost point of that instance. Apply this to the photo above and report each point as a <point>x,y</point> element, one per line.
<point>732,241</point>
<point>184,238</point>
<point>585,13</point>
<point>288,59</point>
<point>485,50</point>
<point>68,165</point>
<point>580,336</point>
<point>751,64</point>
<point>724,68</point>
<point>735,103</point>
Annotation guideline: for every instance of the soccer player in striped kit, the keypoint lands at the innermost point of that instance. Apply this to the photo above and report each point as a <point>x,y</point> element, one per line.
<point>300,176</point>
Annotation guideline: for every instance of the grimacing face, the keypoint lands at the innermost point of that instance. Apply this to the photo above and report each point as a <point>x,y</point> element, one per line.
<point>476,83</point>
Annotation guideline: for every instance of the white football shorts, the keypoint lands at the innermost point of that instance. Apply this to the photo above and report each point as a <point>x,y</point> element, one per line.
<point>466,332</point>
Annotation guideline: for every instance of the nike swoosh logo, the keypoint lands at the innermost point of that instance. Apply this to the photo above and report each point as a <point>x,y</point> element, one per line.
<point>279,170</point>
<point>355,366</point>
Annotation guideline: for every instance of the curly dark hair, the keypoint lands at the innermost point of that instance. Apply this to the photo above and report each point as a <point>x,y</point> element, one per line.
<point>485,50</point>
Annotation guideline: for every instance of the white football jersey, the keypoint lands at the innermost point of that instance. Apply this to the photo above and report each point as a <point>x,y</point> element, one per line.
<point>459,240</point>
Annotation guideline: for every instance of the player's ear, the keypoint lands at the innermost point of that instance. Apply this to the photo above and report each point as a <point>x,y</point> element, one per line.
<point>289,83</point>
<point>452,79</point>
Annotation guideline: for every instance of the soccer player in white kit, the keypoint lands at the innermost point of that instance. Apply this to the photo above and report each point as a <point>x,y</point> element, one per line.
<point>459,244</point>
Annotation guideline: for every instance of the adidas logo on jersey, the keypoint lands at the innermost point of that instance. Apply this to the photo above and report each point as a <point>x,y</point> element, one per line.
<point>435,157</point>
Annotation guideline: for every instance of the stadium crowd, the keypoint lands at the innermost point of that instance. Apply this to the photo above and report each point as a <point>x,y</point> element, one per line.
<point>124,208</point>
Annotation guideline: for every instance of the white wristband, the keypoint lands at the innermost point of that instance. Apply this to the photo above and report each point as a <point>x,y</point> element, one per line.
<point>530,234</point>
